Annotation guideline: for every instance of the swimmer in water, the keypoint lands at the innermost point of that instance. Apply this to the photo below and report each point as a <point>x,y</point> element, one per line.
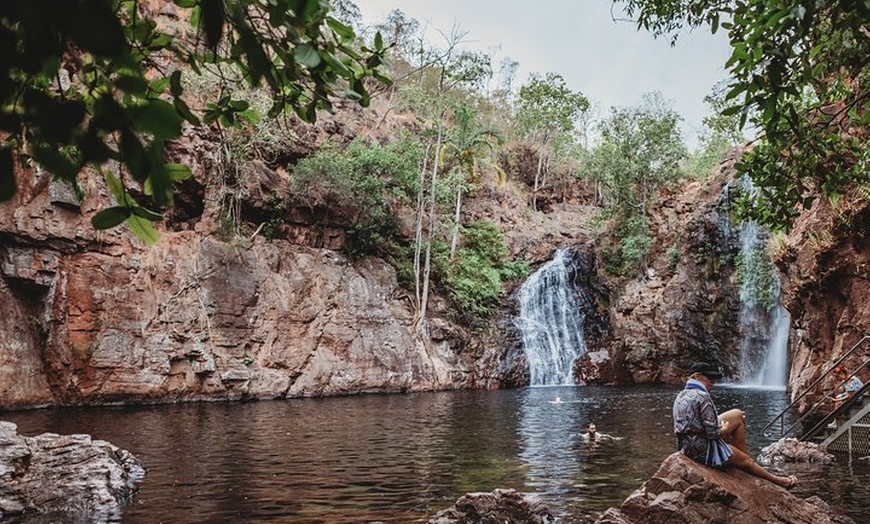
<point>557,401</point>
<point>592,434</point>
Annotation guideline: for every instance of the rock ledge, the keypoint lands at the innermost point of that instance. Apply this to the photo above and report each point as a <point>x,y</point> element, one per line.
<point>73,478</point>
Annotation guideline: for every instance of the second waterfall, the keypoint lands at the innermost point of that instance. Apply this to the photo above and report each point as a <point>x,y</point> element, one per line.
<point>552,321</point>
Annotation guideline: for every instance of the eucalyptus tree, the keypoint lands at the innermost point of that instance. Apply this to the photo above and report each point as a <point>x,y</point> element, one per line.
<point>446,76</point>
<point>639,151</point>
<point>85,84</point>
<point>547,109</point>
<point>801,77</point>
<point>466,141</point>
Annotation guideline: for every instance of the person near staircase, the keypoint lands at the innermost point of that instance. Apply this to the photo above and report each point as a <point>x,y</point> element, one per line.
<point>850,386</point>
<point>712,439</point>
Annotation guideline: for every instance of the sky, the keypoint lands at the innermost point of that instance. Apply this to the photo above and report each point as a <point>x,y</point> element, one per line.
<point>610,62</point>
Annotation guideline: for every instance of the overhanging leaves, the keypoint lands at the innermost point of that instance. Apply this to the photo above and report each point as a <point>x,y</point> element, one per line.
<point>107,105</point>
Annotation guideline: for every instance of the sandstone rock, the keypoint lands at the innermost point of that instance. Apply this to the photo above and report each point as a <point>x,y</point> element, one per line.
<point>824,268</point>
<point>502,506</point>
<point>685,492</point>
<point>794,450</point>
<point>70,477</point>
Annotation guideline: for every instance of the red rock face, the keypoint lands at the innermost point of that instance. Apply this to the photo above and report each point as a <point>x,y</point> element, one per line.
<point>683,305</point>
<point>95,317</point>
<point>825,272</point>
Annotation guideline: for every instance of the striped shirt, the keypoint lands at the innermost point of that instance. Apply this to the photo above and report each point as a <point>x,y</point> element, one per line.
<point>696,424</point>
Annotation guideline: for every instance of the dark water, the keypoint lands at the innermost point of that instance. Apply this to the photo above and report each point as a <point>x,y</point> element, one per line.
<point>402,458</point>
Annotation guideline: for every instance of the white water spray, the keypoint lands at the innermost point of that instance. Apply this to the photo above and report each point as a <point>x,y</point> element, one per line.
<point>764,322</point>
<point>551,322</point>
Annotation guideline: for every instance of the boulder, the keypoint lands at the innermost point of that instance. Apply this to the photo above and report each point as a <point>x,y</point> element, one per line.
<point>794,450</point>
<point>684,492</point>
<point>502,506</point>
<point>72,478</point>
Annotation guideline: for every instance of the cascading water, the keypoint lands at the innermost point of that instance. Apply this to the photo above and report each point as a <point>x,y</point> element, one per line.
<point>764,322</point>
<point>551,322</point>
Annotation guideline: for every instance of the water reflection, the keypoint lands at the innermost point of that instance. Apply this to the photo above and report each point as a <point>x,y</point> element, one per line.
<point>402,458</point>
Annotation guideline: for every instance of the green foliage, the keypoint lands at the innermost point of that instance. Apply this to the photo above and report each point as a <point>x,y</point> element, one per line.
<point>364,180</point>
<point>780,53</point>
<point>757,276</point>
<point>80,87</point>
<point>640,151</point>
<point>474,279</point>
<point>674,256</point>
<point>468,140</point>
<point>720,133</point>
<point>623,258</point>
<point>547,107</point>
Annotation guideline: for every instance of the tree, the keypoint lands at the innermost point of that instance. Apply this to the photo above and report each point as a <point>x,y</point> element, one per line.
<point>466,140</point>
<point>640,150</point>
<point>800,75</point>
<point>720,133</point>
<point>86,86</point>
<point>547,108</point>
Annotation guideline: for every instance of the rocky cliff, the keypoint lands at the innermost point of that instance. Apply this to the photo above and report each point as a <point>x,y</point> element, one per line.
<point>825,270</point>
<point>95,317</point>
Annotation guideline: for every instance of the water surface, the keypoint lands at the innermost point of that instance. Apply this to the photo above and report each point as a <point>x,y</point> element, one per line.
<point>402,458</point>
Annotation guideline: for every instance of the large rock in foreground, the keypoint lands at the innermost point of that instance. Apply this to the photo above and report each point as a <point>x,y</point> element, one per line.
<point>683,491</point>
<point>73,478</point>
<point>502,506</point>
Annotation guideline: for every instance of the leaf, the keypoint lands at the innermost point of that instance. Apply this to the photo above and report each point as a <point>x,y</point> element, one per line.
<point>159,182</point>
<point>186,4</point>
<point>307,55</point>
<point>159,85</point>
<point>158,117</point>
<point>8,187</point>
<point>212,21</point>
<point>239,105</point>
<point>175,83</point>
<point>147,214</point>
<point>116,187</point>
<point>55,162</point>
<point>379,41</point>
<point>131,83</point>
<point>185,112</point>
<point>343,31</point>
<point>178,172</point>
<point>95,28</point>
<point>110,217</point>
<point>143,229</point>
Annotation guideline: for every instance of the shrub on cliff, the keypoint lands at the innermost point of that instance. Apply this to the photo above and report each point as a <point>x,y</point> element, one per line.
<point>365,181</point>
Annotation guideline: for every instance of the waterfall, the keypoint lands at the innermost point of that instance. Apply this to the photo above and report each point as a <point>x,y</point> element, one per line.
<point>551,322</point>
<point>764,322</point>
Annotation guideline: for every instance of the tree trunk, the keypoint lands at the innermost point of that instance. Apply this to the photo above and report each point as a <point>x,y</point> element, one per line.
<point>418,229</point>
<point>454,240</point>
<point>427,266</point>
<point>537,179</point>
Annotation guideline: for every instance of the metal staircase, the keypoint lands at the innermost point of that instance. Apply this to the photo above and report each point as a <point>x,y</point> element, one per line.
<point>846,428</point>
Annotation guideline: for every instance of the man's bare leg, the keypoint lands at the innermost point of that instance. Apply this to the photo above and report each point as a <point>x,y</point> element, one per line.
<point>743,461</point>
<point>735,432</point>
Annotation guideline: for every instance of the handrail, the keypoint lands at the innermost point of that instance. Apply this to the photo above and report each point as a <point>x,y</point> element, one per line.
<point>843,408</point>
<point>781,415</point>
<point>818,404</point>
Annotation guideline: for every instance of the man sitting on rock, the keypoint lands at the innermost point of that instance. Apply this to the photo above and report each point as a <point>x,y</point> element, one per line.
<point>711,439</point>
